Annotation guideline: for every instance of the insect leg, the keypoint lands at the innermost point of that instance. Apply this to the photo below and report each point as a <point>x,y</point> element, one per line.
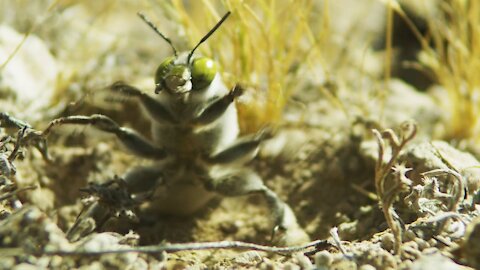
<point>143,179</point>
<point>245,181</point>
<point>154,108</point>
<point>240,151</point>
<point>216,109</point>
<point>133,141</point>
<point>90,219</point>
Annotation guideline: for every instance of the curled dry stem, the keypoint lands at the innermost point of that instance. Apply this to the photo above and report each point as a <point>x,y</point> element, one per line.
<point>385,166</point>
<point>458,190</point>
<point>16,191</point>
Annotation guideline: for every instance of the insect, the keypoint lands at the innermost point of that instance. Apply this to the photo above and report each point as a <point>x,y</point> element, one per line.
<point>196,148</point>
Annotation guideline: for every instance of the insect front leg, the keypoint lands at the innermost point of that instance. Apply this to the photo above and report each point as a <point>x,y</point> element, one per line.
<point>133,141</point>
<point>154,108</point>
<point>243,182</point>
<point>91,218</point>
<point>217,108</point>
<point>144,180</point>
<point>240,151</point>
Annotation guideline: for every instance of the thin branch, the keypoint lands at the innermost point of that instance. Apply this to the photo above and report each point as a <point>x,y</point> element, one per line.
<point>458,185</point>
<point>444,216</point>
<point>18,144</point>
<point>15,192</point>
<point>156,249</point>
<point>337,241</point>
<point>383,168</point>
<point>372,196</point>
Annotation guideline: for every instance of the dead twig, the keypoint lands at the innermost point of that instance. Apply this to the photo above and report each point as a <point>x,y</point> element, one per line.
<point>15,192</point>
<point>372,196</point>
<point>452,200</point>
<point>338,242</point>
<point>385,167</point>
<point>458,190</point>
<point>157,249</point>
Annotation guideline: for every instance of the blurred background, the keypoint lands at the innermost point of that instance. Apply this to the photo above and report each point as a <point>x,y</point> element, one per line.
<point>383,61</point>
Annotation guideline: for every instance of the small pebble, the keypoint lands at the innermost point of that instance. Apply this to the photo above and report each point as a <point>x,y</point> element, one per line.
<point>432,242</point>
<point>25,266</point>
<point>430,250</point>
<point>406,264</point>
<point>410,251</point>
<point>388,241</point>
<point>267,265</point>
<point>323,259</point>
<point>248,257</point>
<point>422,244</point>
<point>303,261</point>
<point>367,267</point>
<point>409,236</point>
<point>291,266</point>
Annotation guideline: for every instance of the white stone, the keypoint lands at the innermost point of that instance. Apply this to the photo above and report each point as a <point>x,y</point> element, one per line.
<point>27,82</point>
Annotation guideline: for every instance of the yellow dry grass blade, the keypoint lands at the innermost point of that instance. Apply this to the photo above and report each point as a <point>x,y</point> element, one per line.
<point>454,58</point>
<point>26,35</point>
<point>257,47</point>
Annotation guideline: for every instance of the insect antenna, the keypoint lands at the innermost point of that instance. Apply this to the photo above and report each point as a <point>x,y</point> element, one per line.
<point>150,23</point>
<point>208,35</point>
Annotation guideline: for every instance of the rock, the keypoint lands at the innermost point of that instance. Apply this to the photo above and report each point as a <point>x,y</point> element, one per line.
<point>32,230</point>
<point>436,261</point>
<point>323,260</point>
<point>428,156</point>
<point>412,104</point>
<point>471,245</point>
<point>27,82</point>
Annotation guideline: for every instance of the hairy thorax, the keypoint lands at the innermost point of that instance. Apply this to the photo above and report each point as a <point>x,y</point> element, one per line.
<point>188,146</point>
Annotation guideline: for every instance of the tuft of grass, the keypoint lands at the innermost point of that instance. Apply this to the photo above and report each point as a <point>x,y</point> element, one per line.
<point>257,47</point>
<point>454,60</point>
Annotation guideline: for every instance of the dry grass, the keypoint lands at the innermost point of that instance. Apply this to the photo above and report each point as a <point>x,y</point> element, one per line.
<point>454,60</point>
<point>257,47</point>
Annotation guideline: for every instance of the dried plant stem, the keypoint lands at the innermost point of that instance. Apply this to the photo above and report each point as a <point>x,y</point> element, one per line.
<point>157,249</point>
<point>384,168</point>
<point>15,192</point>
<point>337,241</point>
<point>458,186</point>
<point>457,190</point>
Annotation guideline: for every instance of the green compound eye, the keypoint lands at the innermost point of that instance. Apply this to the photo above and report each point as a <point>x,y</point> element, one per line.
<point>163,69</point>
<point>203,72</point>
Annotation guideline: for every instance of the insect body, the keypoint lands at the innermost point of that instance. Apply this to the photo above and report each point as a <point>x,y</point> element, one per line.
<point>195,145</point>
